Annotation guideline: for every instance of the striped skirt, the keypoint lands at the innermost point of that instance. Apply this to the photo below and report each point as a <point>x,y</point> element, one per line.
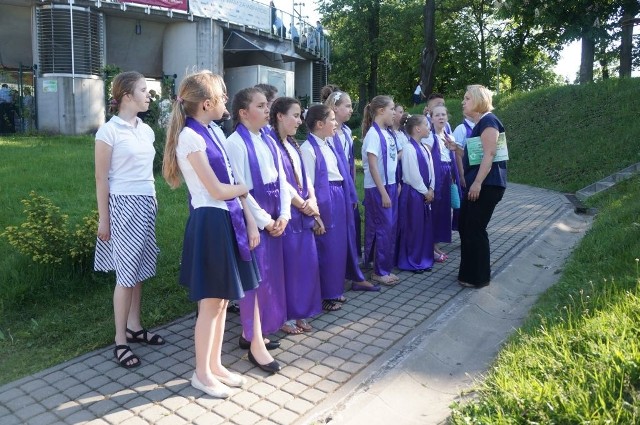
<point>132,250</point>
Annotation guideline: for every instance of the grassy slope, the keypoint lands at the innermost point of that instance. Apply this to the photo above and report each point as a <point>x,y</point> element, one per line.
<point>568,137</point>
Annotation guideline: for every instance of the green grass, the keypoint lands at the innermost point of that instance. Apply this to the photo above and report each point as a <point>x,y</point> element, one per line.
<point>577,358</point>
<point>48,315</point>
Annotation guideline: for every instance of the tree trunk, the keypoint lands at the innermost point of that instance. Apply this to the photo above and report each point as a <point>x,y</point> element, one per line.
<point>630,9</point>
<point>374,55</point>
<point>362,95</point>
<point>587,58</point>
<point>429,53</point>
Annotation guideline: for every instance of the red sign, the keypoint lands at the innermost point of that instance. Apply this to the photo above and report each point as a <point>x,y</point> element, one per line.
<point>169,4</point>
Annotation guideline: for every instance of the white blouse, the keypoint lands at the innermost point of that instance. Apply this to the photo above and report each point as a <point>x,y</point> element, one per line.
<point>309,158</point>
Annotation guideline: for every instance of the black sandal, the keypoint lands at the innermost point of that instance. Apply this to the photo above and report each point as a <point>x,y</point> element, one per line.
<point>330,305</point>
<point>143,336</point>
<point>124,361</point>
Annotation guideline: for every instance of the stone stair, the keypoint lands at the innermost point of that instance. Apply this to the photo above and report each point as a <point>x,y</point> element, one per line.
<point>608,182</point>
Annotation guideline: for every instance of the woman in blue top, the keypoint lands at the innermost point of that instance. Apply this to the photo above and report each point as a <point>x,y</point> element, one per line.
<point>486,183</point>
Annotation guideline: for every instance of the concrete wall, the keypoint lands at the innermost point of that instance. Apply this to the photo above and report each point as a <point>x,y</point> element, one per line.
<point>15,37</point>
<point>133,52</point>
<point>60,110</point>
<point>179,54</point>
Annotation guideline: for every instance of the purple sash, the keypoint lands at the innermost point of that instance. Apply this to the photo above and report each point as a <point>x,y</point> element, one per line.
<point>347,179</point>
<point>352,160</point>
<point>259,190</point>
<point>321,184</point>
<point>383,150</point>
<point>435,156</point>
<point>218,165</point>
<point>467,128</point>
<point>289,172</point>
<point>422,162</point>
<point>298,220</point>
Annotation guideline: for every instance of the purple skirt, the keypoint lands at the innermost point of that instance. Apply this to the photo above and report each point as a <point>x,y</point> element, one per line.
<point>415,231</point>
<point>301,271</point>
<point>271,292</point>
<point>332,248</point>
<point>441,206</point>
<point>353,271</point>
<point>380,229</point>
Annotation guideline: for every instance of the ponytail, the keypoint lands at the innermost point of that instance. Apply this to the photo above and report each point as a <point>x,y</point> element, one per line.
<point>194,89</point>
<point>371,109</point>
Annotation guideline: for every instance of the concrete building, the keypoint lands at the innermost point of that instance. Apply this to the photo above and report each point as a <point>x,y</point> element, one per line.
<point>62,49</point>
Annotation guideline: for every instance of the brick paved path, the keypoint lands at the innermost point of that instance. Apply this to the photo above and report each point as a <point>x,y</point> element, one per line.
<point>93,389</point>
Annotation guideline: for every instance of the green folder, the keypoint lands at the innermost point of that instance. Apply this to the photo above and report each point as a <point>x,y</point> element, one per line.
<point>474,149</point>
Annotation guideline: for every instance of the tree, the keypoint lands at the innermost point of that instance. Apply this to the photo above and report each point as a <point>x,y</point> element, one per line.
<point>429,53</point>
<point>630,8</point>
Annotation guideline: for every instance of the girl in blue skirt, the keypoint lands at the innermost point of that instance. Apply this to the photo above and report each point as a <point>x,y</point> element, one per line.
<point>217,264</point>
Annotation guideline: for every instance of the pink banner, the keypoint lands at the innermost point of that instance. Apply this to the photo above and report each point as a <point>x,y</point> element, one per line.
<point>169,4</point>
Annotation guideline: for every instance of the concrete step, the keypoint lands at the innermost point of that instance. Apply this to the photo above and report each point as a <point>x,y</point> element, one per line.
<point>608,182</point>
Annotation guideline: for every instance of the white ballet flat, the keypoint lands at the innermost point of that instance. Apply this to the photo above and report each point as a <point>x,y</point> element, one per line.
<point>234,380</point>
<point>223,392</point>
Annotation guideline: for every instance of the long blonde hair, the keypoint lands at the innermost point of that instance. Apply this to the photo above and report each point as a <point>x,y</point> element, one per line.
<point>194,89</point>
<point>371,110</point>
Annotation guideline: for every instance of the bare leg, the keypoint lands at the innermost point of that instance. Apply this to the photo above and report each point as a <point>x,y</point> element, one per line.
<point>121,306</point>
<point>210,312</point>
<point>258,349</point>
<point>133,318</point>
<point>215,359</point>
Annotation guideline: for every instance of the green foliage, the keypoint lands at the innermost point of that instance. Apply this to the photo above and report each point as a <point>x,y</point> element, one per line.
<point>45,309</point>
<point>473,39</point>
<point>576,360</point>
<point>109,71</point>
<point>45,237</point>
<point>158,144</point>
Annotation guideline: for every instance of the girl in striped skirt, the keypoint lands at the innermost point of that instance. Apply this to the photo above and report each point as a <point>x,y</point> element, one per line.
<point>127,210</point>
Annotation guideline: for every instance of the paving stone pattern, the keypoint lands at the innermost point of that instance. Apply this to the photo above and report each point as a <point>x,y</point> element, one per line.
<point>94,389</point>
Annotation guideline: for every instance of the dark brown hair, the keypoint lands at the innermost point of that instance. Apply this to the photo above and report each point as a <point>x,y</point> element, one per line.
<point>242,100</point>
<point>268,90</point>
<point>314,114</point>
<point>281,106</point>
<point>123,84</point>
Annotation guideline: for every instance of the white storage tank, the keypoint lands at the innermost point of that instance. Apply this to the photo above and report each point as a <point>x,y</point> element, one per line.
<point>242,77</point>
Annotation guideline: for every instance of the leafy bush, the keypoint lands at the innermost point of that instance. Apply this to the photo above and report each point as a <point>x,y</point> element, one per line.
<point>45,236</point>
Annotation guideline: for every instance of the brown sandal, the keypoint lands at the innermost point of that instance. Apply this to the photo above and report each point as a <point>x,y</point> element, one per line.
<point>291,329</point>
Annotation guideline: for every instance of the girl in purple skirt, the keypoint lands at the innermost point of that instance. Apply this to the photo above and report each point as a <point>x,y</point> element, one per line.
<point>379,161</point>
<point>446,172</point>
<point>323,166</point>
<point>415,230</point>
<point>216,264</point>
<point>257,163</point>
<point>340,104</point>
<point>301,272</point>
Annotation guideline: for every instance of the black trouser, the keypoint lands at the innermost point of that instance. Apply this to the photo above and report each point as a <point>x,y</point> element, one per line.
<point>475,255</point>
